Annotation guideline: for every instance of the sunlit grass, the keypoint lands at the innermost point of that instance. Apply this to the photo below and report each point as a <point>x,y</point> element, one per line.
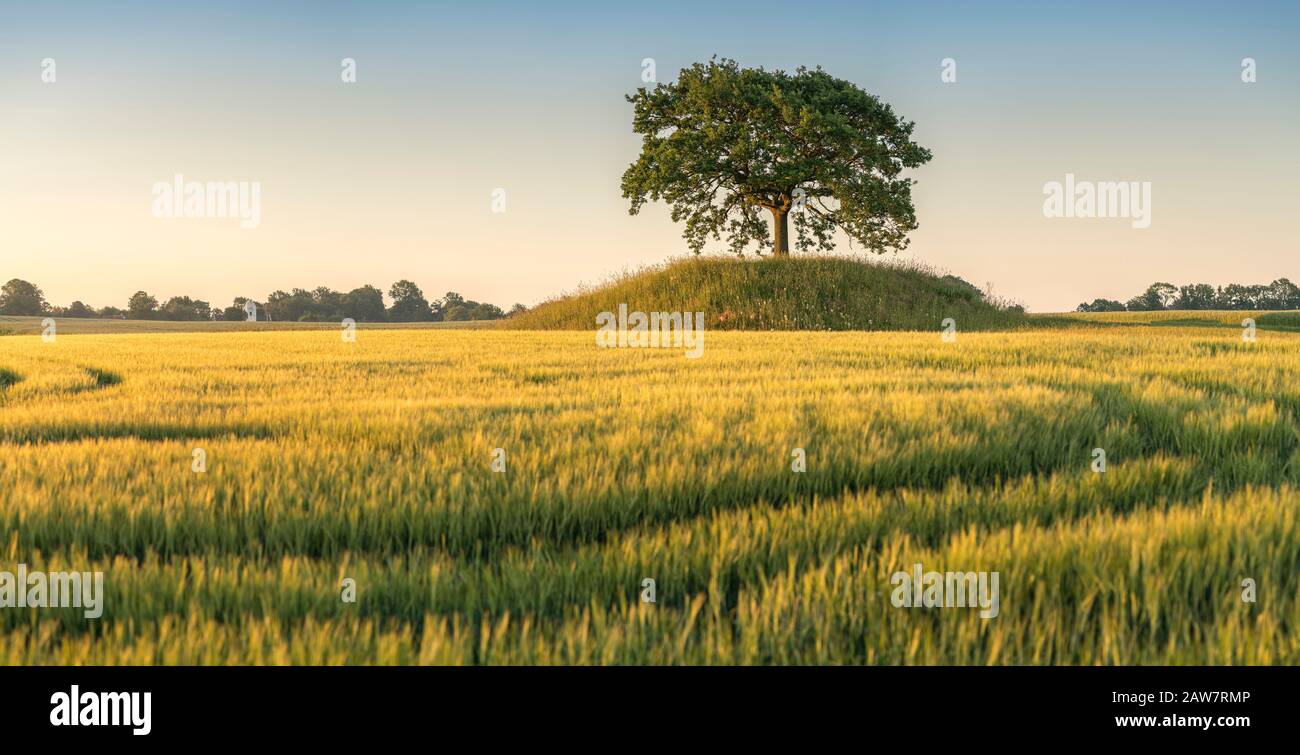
<point>372,460</point>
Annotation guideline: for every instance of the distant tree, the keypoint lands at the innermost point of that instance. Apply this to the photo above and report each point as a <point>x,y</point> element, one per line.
<point>1101,305</point>
<point>141,306</point>
<point>1280,294</point>
<point>456,313</point>
<point>236,311</point>
<point>1157,296</point>
<point>296,306</point>
<point>517,309</point>
<point>78,309</point>
<point>1234,296</point>
<point>185,309</point>
<point>1283,294</point>
<point>1258,296</point>
<point>18,297</point>
<point>486,312</point>
<point>439,307</point>
<point>409,304</point>
<point>278,304</point>
<point>724,143</point>
<point>327,304</point>
<point>1196,296</point>
<point>365,304</point>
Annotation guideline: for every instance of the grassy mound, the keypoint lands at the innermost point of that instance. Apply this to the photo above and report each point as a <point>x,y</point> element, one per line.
<point>794,293</point>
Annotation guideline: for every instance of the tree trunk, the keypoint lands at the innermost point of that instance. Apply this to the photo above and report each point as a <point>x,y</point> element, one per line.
<point>780,232</point>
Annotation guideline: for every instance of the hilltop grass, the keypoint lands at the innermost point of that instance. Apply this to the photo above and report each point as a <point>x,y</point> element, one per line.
<point>372,461</point>
<point>794,293</point>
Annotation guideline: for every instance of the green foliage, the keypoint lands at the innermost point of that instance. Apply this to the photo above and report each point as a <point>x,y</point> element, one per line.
<point>78,309</point>
<point>184,308</point>
<point>471,310</point>
<point>409,304</point>
<point>141,306</point>
<point>236,312</point>
<point>968,289</point>
<point>1280,294</point>
<point>1196,296</point>
<point>18,297</point>
<point>294,306</point>
<point>1157,296</point>
<point>723,143</point>
<point>803,293</point>
<point>365,304</point>
<point>1101,305</point>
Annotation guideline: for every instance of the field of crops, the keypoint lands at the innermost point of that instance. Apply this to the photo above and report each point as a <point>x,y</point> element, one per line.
<point>373,461</point>
<point>17,326</point>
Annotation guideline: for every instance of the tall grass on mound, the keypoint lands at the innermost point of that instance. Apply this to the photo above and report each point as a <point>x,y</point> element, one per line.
<point>804,293</point>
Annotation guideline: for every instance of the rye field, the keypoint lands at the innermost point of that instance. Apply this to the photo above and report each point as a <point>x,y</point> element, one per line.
<point>373,461</point>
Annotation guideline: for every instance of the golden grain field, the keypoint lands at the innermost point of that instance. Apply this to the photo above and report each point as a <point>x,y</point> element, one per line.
<point>372,461</point>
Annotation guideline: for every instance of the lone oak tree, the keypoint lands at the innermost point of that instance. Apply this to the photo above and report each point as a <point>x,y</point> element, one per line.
<point>724,143</point>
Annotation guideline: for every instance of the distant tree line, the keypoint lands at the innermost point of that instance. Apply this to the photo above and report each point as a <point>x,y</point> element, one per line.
<point>1280,294</point>
<point>321,304</point>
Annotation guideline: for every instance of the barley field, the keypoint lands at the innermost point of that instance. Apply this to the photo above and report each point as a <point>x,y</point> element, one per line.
<point>373,461</point>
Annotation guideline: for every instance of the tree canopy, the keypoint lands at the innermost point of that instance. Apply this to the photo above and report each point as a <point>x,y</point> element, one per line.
<point>141,306</point>
<point>409,304</point>
<point>18,297</point>
<point>321,304</point>
<point>1280,294</point>
<point>724,143</point>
